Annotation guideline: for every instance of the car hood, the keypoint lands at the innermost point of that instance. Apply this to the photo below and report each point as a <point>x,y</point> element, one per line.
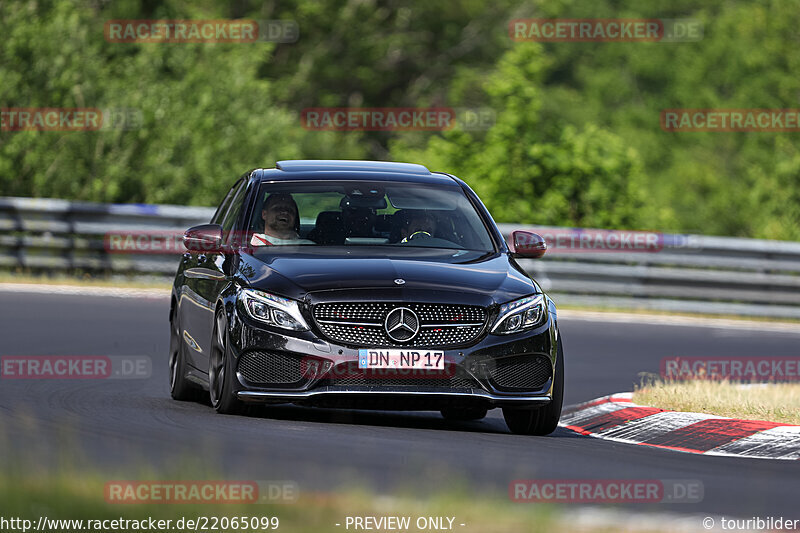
<point>427,275</point>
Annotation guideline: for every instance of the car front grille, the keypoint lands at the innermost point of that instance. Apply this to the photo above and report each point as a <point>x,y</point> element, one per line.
<point>271,368</point>
<point>362,324</point>
<point>521,373</point>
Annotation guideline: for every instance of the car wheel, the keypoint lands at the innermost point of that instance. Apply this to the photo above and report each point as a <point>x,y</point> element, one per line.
<point>543,420</point>
<point>179,387</point>
<point>464,413</point>
<point>220,373</point>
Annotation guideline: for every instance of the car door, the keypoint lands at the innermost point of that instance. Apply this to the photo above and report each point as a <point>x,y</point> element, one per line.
<point>194,304</point>
<point>211,274</point>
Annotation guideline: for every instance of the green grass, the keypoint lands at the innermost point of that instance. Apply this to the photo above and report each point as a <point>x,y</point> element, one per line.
<point>54,477</point>
<point>80,495</point>
<point>778,402</point>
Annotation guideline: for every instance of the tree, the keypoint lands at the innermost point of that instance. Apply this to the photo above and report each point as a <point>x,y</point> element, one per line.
<point>562,176</point>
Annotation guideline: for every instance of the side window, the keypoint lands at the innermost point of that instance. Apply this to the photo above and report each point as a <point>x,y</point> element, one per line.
<point>233,212</point>
<point>223,207</point>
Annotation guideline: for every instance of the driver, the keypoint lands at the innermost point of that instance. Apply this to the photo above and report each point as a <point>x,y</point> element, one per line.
<point>419,224</point>
<point>281,222</point>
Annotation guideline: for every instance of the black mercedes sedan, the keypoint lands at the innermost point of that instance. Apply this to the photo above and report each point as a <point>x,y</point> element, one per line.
<point>368,285</point>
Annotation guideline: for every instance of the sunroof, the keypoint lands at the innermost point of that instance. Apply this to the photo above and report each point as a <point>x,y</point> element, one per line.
<point>351,166</point>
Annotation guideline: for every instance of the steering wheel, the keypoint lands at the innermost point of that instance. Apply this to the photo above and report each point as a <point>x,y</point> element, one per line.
<point>419,234</point>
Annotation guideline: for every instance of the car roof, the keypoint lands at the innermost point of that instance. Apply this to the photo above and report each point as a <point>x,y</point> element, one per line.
<point>335,169</point>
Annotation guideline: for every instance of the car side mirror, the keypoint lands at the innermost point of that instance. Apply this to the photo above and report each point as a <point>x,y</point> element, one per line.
<point>526,244</point>
<point>203,238</point>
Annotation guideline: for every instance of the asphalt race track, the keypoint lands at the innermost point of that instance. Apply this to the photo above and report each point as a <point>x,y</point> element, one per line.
<point>119,425</point>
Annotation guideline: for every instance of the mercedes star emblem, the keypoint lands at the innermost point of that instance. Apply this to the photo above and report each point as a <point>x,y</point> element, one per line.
<point>402,324</point>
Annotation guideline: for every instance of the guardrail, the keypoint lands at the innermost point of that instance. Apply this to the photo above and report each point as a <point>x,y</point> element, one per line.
<point>52,235</point>
<point>688,273</point>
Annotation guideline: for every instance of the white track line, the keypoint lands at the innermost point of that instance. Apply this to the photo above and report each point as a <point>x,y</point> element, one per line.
<point>77,290</point>
<point>678,320</point>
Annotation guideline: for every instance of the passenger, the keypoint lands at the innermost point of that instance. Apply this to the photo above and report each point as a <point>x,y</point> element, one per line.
<point>281,222</point>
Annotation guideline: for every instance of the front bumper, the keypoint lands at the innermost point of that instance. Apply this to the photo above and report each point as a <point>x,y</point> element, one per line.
<point>476,366</point>
<point>355,397</point>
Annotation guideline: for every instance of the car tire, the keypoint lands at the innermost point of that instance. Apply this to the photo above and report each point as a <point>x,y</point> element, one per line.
<point>463,414</point>
<point>543,420</point>
<point>220,370</point>
<point>179,387</point>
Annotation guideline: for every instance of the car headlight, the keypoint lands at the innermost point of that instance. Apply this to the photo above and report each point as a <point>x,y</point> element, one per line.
<point>520,315</point>
<point>273,310</point>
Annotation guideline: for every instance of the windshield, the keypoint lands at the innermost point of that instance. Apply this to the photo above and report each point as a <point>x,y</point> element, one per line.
<point>365,213</point>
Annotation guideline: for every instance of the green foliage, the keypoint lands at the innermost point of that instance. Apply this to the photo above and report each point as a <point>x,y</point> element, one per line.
<point>586,178</point>
<point>577,139</point>
<point>207,116</point>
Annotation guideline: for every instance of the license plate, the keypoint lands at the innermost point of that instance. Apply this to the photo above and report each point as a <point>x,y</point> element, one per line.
<point>414,359</point>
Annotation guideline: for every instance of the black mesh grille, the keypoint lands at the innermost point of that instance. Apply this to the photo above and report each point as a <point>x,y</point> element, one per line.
<point>446,336</point>
<point>360,335</point>
<point>446,314</point>
<point>521,373</point>
<point>270,368</point>
<point>356,312</point>
<point>376,312</point>
<point>362,324</point>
